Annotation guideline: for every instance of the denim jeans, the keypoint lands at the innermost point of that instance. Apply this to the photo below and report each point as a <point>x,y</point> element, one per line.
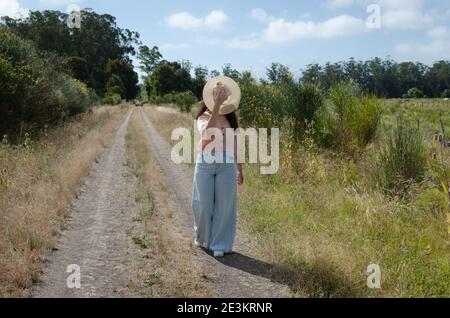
<point>214,198</point>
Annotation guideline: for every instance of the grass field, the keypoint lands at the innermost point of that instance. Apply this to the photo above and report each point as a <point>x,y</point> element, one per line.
<point>426,113</point>
<point>322,222</point>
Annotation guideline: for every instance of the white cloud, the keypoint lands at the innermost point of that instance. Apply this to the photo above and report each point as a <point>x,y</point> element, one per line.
<point>281,31</point>
<point>253,41</point>
<point>174,46</point>
<point>185,21</point>
<point>12,9</point>
<point>437,48</point>
<point>59,2</point>
<point>215,19</point>
<point>439,33</point>
<point>405,14</point>
<point>401,4</point>
<point>261,15</point>
<point>406,19</point>
<point>336,4</point>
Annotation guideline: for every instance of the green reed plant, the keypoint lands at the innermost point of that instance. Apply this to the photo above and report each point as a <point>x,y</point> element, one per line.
<point>348,120</point>
<point>402,160</point>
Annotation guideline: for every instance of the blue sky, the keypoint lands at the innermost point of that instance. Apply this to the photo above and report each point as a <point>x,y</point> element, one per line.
<point>251,34</point>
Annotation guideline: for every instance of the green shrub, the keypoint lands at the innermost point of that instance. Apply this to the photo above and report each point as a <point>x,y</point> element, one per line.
<point>348,120</point>
<point>303,101</point>
<point>415,93</point>
<point>446,93</point>
<point>268,106</point>
<point>402,159</point>
<point>112,99</point>
<point>35,88</point>
<point>115,86</point>
<point>251,102</point>
<point>183,100</point>
<point>366,120</point>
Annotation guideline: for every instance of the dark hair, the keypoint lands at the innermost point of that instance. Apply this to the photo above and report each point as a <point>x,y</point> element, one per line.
<point>232,118</point>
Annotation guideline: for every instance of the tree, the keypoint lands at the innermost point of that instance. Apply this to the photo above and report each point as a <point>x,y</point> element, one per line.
<point>79,67</point>
<point>278,74</point>
<point>229,71</point>
<point>115,86</point>
<point>169,77</point>
<point>129,78</point>
<point>201,76</point>
<point>98,41</point>
<point>414,93</point>
<point>332,74</point>
<point>215,73</point>
<point>411,75</point>
<point>437,79</point>
<point>149,59</point>
<point>186,65</point>
<point>312,74</point>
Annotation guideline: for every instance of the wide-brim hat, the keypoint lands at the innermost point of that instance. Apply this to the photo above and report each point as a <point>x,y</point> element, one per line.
<point>232,89</point>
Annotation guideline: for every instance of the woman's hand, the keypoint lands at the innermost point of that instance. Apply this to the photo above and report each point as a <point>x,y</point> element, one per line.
<point>220,95</point>
<point>240,179</point>
<point>240,175</point>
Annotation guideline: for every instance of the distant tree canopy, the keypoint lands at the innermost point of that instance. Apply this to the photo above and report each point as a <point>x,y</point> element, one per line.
<point>384,78</point>
<point>95,52</point>
<point>169,77</point>
<point>168,81</point>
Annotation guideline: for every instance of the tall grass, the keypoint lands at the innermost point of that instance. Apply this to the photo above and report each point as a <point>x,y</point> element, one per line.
<point>349,119</point>
<point>272,105</point>
<point>323,224</point>
<point>39,179</point>
<point>403,159</point>
<point>321,221</point>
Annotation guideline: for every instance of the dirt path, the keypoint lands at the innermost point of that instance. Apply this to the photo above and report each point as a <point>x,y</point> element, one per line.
<point>95,238</point>
<point>239,275</point>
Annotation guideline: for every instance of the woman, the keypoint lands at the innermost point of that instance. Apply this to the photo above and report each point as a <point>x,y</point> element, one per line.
<point>215,184</point>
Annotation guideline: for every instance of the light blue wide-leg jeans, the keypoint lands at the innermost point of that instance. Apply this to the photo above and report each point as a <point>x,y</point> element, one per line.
<point>214,201</point>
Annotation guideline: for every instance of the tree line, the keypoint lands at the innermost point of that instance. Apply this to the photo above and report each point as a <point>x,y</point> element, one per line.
<point>97,54</point>
<point>385,78</point>
<point>49,71</point>
<point>382,78</point>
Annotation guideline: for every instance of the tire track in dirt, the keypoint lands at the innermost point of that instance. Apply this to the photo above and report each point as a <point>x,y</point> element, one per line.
<point>95,238</point>
<point>239,275</point>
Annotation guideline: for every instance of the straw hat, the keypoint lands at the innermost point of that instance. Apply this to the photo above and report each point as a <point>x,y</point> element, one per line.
<point>232,89</point>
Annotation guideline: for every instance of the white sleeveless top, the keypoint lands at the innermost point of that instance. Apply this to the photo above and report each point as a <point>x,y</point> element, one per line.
<point>222,124</point>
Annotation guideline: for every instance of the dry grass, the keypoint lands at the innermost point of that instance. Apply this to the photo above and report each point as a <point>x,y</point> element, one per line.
<point>166,269</point>
<point>321,223</point>
<point>38,179</point>
<point>167,121</point>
